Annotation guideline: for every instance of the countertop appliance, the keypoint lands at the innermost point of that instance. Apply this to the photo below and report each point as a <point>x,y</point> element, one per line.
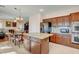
<point>64,30</point>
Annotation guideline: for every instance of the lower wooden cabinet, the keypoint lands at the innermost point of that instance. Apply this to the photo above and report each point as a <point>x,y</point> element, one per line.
<point>60,39</point>
<point>77,46</point>
<point>35,47</point>
<point>64,40</point>
<point>53,38</point>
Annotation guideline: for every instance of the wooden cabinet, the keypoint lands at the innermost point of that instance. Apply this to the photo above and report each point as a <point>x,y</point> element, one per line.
<point>60,21</point>
<point>63,21</point>
<point>61,39</point>
<point>45,46</point>
<point>54,22</point>
<point>74,17</point>
<point>35,47</point>
<point>47,20</point>
<point>53,38</point>
<point>67,40</point>
<point>56,39</point>
<point>66,20</point>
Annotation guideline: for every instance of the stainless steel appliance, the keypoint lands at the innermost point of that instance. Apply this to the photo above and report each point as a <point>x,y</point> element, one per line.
<point>75,32</point>
<point>64,30</point>
<point>75,27</point>
<point>46,27</point>
<point>75,38</point>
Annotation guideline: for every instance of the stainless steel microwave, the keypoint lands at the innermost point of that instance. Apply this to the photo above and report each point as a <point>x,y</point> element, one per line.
<point>75,27</point>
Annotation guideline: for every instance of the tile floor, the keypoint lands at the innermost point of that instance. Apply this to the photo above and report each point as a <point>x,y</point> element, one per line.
<point>9,48</point>
<point>61,49</point>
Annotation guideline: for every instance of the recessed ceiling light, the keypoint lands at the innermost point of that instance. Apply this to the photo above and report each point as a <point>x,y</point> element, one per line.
<point>41,10</point>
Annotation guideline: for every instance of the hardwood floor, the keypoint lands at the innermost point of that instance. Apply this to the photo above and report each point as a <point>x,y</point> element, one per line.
<point>3,40</point>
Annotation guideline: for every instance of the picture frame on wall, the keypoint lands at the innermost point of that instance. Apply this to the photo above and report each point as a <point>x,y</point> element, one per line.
<point>8,23</point>
<point>14,24</point>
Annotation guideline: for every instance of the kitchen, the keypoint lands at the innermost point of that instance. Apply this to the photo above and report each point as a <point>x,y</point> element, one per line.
<point>65,29</point>
<point>50,30</point>
<point>45,31</point>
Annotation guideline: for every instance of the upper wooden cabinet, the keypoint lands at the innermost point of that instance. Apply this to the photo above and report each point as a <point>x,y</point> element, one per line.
<point>47,20</point>
<point>74,16</point>
<point>59,21</point>
<point>64,21</point>
<point>54,22</point>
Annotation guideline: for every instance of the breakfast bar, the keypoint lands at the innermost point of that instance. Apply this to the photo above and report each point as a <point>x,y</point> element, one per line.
<point>37,43</point>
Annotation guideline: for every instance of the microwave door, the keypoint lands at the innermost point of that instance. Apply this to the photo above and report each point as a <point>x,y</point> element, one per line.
<point>76,28</point>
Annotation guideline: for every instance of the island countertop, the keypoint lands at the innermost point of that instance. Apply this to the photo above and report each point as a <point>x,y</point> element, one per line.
<point>38,35</point>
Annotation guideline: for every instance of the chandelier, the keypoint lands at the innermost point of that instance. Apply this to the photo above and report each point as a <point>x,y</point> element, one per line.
<point>19,18</point>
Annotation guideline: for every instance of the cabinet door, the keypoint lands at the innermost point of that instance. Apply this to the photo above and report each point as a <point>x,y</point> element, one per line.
<point>35,47</point>
<point>66,20</point>
<point>54,22</point>
<point>62,40</point>
<point>63,20</point>
<point>65,40</point>
<point>53,38</point>
<point>47,20</point>
<point>58,39</point>
<point>74,17</point>
<point>60,21</point>
<point>45,46</point>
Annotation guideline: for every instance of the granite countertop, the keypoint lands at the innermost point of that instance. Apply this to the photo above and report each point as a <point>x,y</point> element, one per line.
<point>38,35</point>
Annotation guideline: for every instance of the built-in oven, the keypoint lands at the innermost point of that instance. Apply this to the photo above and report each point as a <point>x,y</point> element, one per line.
<point>75,38</point>
<point>75,27</point>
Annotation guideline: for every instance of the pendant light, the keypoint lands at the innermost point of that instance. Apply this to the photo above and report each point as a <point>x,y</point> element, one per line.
<point>19,18</point>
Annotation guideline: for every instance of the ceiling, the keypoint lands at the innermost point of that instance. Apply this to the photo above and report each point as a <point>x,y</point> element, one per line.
<point>12,11</point>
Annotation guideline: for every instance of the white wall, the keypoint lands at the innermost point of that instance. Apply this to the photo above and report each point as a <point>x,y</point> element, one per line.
<point>34,23</point>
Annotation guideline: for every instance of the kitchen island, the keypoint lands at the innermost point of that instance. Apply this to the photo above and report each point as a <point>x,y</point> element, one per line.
<point>37,43</point>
